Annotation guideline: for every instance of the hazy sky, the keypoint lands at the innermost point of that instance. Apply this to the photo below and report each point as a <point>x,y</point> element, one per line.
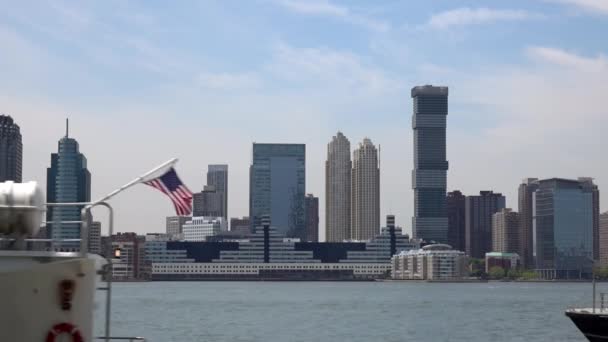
<point>145,81</point>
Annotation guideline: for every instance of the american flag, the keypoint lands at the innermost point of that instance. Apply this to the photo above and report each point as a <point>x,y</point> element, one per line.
<point>170,184</point>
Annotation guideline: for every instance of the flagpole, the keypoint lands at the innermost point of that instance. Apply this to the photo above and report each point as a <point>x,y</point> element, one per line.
<point>133,182</point>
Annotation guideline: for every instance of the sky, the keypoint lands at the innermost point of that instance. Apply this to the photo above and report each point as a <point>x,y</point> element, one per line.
<point>146,81</point>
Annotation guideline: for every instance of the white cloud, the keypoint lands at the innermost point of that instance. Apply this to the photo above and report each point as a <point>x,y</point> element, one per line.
<point>589,5</point>
<point>469,16</point>
<point>568,59</point>
<point>326,8</point>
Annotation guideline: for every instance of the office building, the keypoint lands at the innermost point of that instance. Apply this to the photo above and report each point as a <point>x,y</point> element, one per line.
<point>506,261</point>
<point>429,177</point>
<point>209,202</point>
<point>175,225</point>
<point>217,177</point>
<point>11,150</point>
<point>587,183</point>
<point>478,222</point>
<point>526,220</point>
<point>564,224</point>
<point>505,231</point>
<point>431,262</point>
<point>68,181</point>
<point>94,242</point>
<point>337,189</point>
<point>128,251</point>
<point>456,220</point>
<point>200,228</point>
<point>240,225</point>
<point>312,218</point>
<point>603,233</point>
<point>365,192</point>
<point>277,187</point>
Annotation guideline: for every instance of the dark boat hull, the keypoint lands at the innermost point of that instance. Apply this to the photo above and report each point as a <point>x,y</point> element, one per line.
<point>593,326</point>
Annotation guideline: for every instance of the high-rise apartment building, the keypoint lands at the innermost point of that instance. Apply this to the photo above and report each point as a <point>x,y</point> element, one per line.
<point>312,218</point>
<point>429,177</point>
<point>526,220</point>
<point>11,150</point>
<point>68,181</point>
<point>478,222</point>
<point>175,225</point>
<point>337,189</point>
<point>603,239</point>
<point>456,220</point>
<point>217,177</point>
<point>277,185</point>
<point>564,226</point>
<point>505,231</point>
<point>208,202</point>
<point>365,192</point>
<point>95,237</point>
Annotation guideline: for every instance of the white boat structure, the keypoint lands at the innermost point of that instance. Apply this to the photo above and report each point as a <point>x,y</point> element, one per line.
<point>47,295</point>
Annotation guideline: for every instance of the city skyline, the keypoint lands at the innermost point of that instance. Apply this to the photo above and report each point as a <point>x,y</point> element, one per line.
<point>310,89</point>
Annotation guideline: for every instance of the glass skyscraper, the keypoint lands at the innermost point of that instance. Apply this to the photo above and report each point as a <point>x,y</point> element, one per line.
<point>68,180</point>
<point>277,183</point>
<point>217,176</point>
<point>10,150</point>
<point>564,228</point>
<point>429,177</point>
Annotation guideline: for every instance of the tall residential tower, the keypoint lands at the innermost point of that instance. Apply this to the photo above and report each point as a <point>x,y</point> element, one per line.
<point>365,192</point>
<point>217,177</point>
<point>429,178</point>
<point>337,189</point>
<point>10,150</point>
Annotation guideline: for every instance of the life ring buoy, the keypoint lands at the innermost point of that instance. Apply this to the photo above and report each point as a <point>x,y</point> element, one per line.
<point>64,328</point>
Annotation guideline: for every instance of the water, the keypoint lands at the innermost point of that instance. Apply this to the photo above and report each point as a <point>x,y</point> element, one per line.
<point>346,311</point>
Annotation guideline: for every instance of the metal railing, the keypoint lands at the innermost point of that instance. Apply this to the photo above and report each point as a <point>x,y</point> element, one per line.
<point>130,339</point>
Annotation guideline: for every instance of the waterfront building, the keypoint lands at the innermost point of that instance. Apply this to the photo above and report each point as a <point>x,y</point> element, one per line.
<point>128,250</point>
<point>429,177</point>
<point>526,220</point>
<point>312,218</point>
<point>240,225</point>
<point>337,190</point>
<point>208,202</point>
<point>277,187</point>
<point>11,150</point>
<point>564,225</point>
<point>217,177</point>
<point>456,220</point>
<point>94,241</point>
<point>478,222</point>
<point>505,231</point>
<point>365,192</point>
<point>175,225</point>
<point>431,262</point>
<point>603,234</point>
<point>506,261</point>
<point>266,254</point>
<point>200,228</point>
<point>68,181</point>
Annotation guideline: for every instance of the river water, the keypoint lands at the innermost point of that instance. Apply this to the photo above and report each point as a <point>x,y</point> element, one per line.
<point>346,311</point>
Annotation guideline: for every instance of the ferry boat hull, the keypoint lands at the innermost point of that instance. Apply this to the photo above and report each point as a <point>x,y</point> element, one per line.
<point>593,325</point>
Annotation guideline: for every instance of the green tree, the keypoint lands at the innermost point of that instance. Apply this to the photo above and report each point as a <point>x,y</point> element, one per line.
<point>477,267</point>
<point>529,275</point>
<point>497,272</point>
<point>514,273</point>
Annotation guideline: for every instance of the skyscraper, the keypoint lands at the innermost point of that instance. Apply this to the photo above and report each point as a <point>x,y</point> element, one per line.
<point>456,220</point>
<point>429,178</point>
<point>526,219</point>
<point>10,150</point>
<point>175,225</point>
<point>478,222</point>
<point>217,176</point>
<point>337,189</point>
<point>365,192</point>
<point>564,223</point>
<point>277,183</point>
<point>505,231</point>
<point>68,180</point>
<point>312,218</point>
<point>604,239</point>
<point>208,203</point>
